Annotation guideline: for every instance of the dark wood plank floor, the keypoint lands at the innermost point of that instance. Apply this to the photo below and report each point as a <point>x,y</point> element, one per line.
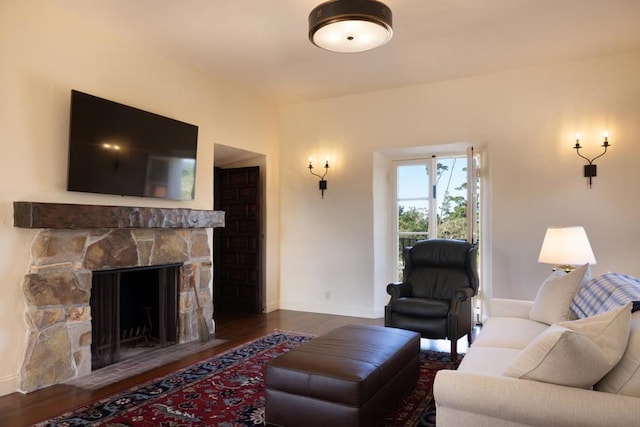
<point>18,410</point>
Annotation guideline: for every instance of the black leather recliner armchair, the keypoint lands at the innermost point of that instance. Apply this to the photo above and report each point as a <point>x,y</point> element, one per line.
<point>434,299</point>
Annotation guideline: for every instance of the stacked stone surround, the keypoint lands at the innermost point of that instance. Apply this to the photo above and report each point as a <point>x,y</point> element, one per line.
<point>58,287</point>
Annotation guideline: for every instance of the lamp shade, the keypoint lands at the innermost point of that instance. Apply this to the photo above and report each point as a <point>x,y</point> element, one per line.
<point>566,246</point>
<point>350,26</point>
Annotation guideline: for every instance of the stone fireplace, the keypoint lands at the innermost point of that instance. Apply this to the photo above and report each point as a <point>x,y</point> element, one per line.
<point>76,240</point>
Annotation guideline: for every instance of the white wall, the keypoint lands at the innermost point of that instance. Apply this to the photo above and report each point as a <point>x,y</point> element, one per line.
<point>526,121</point>
<point>45,54</point>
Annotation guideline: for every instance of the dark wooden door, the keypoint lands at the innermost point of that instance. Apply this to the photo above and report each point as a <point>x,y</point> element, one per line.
<point>237,281</point>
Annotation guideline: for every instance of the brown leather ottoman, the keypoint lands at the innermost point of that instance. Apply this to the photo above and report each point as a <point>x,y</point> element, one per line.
<point>352,376</point>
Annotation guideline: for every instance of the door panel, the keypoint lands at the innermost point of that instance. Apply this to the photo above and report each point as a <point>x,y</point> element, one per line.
<point>237,281</point>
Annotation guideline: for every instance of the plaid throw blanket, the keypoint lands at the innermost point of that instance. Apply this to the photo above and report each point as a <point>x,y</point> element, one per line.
<point>605,292</point>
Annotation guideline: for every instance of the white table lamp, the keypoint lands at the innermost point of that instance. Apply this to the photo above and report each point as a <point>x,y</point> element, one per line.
<point>566,247</point>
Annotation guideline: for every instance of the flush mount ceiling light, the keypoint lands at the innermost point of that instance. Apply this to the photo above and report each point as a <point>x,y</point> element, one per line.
<point>350,26</point>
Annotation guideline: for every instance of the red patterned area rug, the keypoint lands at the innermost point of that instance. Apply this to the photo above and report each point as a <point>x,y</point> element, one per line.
<point>228,391</point>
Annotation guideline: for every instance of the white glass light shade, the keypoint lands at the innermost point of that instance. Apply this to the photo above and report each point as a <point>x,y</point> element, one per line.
<point>566,246</point>
<point>349,26</point>
<point>350,36</point>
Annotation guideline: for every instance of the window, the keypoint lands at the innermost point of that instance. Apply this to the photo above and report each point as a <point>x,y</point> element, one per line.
<point>433,195</point>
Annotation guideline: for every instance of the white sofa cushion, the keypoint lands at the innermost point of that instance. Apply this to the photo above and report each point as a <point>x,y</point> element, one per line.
<point>506,307</point>
<point>508,332</point>
<point>624,378</point>
<point>468,399</point>
<point>488,360</point>
<point>575,353</point>
<point>555,295</point>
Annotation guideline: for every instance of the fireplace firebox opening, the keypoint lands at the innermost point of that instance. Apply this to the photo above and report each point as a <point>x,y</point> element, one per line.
<point>133,310</point>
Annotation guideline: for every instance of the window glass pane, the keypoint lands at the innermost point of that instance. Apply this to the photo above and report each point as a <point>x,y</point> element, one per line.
<point>451,191</point>
<point>413,216</point>
<point>412,207</point>
<point>413,182</point>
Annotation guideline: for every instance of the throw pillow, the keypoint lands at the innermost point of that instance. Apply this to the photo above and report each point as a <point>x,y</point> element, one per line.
<point>576,353</point>
<point>605,292</point>
<point>624,378</point>
<point>555,295</point>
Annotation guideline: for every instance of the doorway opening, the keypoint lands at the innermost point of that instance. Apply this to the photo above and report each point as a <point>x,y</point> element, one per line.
<point>436,197</point>
<point>239,247</point>
<point>432,215</point>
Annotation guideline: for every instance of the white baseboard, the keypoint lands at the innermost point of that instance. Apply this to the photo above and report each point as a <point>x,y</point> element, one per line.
<point>271,307</point>
<point>8,385</point>
<point>332,308</point>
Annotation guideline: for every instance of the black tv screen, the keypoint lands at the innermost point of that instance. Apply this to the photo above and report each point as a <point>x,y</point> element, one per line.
<point>117,149</point>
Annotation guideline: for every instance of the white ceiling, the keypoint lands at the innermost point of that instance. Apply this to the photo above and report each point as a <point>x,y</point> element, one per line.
<point>262,45</point>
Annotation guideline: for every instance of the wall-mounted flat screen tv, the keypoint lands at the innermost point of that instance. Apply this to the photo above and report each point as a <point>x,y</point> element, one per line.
<point>117,149</point>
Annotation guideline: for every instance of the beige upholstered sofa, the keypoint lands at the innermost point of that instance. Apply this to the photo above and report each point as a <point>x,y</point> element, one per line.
<point>533,364</point>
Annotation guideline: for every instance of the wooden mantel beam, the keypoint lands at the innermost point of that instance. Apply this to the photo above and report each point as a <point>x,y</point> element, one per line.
<point>70,216</point>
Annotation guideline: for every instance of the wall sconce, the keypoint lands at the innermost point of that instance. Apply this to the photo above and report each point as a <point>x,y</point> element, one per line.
<point>322,185</point>
<point>590,169</point>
